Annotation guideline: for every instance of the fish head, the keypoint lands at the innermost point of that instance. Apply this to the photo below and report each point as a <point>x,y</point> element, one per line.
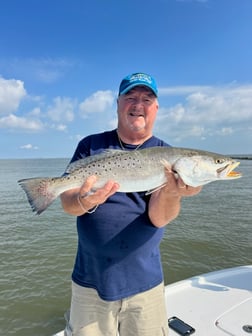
<point>197,170</point>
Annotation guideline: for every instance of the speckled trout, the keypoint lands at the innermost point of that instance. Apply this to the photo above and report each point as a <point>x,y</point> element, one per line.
<point>134,171</point>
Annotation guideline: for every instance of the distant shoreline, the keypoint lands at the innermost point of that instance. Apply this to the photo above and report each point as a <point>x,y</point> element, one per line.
<point>242,157</point>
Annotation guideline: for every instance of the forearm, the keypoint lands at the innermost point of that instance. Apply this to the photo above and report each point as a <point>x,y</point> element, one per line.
<point>164,205</point>
<point>79,201</point>
<point>163,208</point>
<point>72,204</point>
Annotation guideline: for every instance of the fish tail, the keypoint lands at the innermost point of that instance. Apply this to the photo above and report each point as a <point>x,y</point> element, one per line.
<point>40,192</point>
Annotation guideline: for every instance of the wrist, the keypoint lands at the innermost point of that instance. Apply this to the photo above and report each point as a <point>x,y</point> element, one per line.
<point>170,194</point>
<point>83,207</point>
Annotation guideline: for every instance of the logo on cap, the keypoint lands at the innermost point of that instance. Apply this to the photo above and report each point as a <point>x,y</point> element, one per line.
<point>140,77</point>
<point>137,79</point>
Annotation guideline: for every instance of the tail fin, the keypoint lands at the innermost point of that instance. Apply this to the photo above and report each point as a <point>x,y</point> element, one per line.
<point>40,192</point>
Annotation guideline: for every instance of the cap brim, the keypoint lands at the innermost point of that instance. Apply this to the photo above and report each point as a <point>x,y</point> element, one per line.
<point>134,85</point>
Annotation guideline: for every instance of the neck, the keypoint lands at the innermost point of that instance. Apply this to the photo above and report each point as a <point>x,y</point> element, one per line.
<point>134,139</point>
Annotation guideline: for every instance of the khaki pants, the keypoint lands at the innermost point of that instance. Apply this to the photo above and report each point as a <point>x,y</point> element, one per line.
<point>143,314</point>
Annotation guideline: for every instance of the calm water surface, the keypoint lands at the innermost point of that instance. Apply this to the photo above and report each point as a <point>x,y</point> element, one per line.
<point>213,230</point>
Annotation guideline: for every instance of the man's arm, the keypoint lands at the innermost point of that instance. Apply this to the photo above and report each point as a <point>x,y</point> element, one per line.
<point>164,205</point>
<point>78,201</point>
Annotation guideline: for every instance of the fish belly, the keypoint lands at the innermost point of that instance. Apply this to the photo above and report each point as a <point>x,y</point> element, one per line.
<point>137,184</point>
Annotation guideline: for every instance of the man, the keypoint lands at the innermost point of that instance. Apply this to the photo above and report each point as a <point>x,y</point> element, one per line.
<point>117,278</point>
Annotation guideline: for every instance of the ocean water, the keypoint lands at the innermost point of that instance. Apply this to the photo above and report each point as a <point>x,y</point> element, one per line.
<point>213,231</point>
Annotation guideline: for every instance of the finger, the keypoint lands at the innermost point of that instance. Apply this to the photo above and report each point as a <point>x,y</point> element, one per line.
<point>115,187</point>
<point>87,185</point>
<point>171,187</point>
<point>168,169</point>
<point>170,175</point>
<point>100,195</point>
<point>181,183</point>
<point>191,191</point>
<point>103,193</point>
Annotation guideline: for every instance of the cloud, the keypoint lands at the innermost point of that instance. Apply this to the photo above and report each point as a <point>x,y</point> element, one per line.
<point>50,70</point>
<point>29,147</point>
<point>205,111</point>
<point>59,127</point>
<point>36,111</point>
<point>13,122</point>
<point>47,70</point>
<point>56,115</point>
<point>182,90</point>
<point>99,102</point>
<point>186,112</point>
<point>62,109</point>
<point>224,105</point>
<point>11,93</point>
<point>112,123</point>
<point>226,131</point>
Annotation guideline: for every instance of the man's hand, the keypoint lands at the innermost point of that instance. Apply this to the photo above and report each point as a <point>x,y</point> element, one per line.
<point>164,205</point>
<point>90,199</point>
<point>176,187</point>
<point>80,200</point>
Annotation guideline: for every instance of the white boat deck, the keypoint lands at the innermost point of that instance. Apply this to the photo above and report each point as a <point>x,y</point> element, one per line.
<point>214,304</point>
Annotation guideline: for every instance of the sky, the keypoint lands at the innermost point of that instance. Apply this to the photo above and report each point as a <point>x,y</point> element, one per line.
<point>61,63</point>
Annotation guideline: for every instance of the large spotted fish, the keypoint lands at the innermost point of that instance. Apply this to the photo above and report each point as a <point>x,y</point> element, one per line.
<point>134,171</point>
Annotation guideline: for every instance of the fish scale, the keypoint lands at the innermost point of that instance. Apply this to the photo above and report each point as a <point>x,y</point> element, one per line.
<point>121,166</point>
<point>134,171</point>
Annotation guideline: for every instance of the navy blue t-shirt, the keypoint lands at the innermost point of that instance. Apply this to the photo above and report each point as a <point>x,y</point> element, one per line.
<point>118,246</point>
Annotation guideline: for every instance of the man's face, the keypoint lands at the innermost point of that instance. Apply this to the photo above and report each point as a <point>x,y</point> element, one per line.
<point>137,109</point>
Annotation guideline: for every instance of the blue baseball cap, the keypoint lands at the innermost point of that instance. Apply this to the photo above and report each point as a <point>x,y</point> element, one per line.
<point>137,79</point>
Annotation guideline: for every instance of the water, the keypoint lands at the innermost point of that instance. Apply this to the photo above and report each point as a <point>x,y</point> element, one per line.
<point>213,230</point>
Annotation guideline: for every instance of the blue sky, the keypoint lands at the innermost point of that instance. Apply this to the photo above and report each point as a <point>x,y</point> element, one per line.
<point>61,63</point>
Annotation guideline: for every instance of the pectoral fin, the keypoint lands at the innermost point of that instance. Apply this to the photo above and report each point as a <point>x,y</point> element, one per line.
<point>166,165</point>
<point>153,190</point>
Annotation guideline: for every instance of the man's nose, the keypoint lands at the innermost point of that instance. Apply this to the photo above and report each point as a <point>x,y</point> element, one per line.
<point>139,103</point>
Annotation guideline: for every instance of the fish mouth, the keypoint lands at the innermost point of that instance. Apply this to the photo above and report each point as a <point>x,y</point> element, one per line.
<point>228,171</point>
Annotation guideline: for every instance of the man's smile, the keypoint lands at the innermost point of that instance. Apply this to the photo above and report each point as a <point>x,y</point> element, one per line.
<point>134,114</point>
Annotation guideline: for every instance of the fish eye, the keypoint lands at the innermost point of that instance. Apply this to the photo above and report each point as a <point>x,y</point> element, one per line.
<point>219,160</point>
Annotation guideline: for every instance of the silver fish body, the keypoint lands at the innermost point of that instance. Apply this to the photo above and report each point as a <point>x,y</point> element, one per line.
<point>134,171</point>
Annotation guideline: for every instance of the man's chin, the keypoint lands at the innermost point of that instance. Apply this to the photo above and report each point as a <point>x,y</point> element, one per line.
<point>136,127</point>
